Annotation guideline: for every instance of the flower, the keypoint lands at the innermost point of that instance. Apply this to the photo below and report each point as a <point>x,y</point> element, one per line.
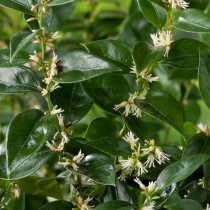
<point>65,138</point>
<point>129,138</point>
<point>51,146</point>
<point>150,161</point>
<point>83,204</point>
<point>56,111</point>
<point>160,156</point>
<point>15,190</point>
<point>207,207</point>
<point>148,78</point>
<point>150,207</point>
<point>61,120</point>
<point>127,165</point>
<point>204,128</point>
<point>140,168</point>
<point>179,4</point>
<point>162,38</point>
<point>36,58</point>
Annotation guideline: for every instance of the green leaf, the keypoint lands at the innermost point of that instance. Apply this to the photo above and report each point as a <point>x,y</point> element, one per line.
<point>180,170</point>
<point>115,205</point>
<point>184,53</point>
<point>101,128</point>
<point>58,2</point>
<point>26,135</point>
<point>19,41</point>
<point>164,107</point>
<point>80,66</point>
<point>55,205</point>
<point>145,55</point>
<point>185,204</point>
<point>206,170</point>
<point>192,20</point>
<point>99,168</point>
<point>20,5</point>
<point>137,126</point>
<point>107,90</point>
<point>110,145</point>
<point>113,51</point>
<point>204,77</point>
<point>74,101</point>
<point>21,58</point>
<point>154,13</point>
<point>38,186</point>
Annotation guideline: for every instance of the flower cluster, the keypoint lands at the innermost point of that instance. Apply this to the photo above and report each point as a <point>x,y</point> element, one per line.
<point>130,106</point>
<point>134,163</point>
<point>176,4</point>
<point>162,38</point>
<point>83,204</point>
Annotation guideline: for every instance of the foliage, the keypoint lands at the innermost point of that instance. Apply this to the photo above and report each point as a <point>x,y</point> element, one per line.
<point>100,102</point>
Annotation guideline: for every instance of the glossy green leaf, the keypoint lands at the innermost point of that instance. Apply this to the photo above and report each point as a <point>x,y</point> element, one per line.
<point>74,101</point>
<point>180,170</point>
<point>18,42</point>
<point>145,55</point>
<point>18,80</point>
<point>20,5</point>
<point>184,53</point>
<point>154,13</point>
<point>164,107</point>
<point>99,168</point>
<point>21,58</point>
<point>204,77</point>
<point>101,128</point>
<point>206,171</point>
<point>58,2</point>
<point>80,66</point>
<point>115,205</point>
<point>57,205</point>
<point>113,51</point>
<point>39,186</point>
<point>138,127</point>
<point>192,20</point>
<point>107,90</point>
<point>185,204</point>
<point>26,135</point>
<point>110,145</point>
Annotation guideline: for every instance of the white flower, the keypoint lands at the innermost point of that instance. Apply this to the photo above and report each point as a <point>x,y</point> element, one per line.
<point>150,161</point>
<point>204,128</point>
<point>129,138</point>
<point>140,168</point>
<point>179,4</point>
<point>56,111</point>
<point>35,57</point>
<point>160,156</point>
<point>148,78</point>
<point>141,185</point>
<point>15,190</point>
<point>44,92</point>
<point>83,204</point>
<point>150,207</point>
<point>52,147</point>
<point>133,69</point>
<point>163,38</point>
<point>65,138</point>
<point>53,67</point>
<point>122,176</point>
<point>127,165</point>
<point>151,148</point>
<point>76,160</point>
<point>207,207</point>
<point>61,120</point>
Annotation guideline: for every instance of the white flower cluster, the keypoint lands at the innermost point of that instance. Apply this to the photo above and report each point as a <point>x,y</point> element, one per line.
<point>162,38</point>
<point>129,106</point>
<point>177,4</point>
<point>134,164</point>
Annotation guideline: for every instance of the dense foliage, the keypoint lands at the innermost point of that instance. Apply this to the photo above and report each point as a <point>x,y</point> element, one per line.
<point>100,104</point>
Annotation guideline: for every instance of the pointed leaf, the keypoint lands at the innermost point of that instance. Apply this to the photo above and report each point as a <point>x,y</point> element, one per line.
<point>26,135</point>
<point>145,55</point>
<point>74,101</point>
<point>18,80</point>
<point>115,205</point>
<point>154,13</point>
<point>80,66</point>
<point>19,41</point>
<point>99,168</point>
<point>58,2</point>
<point>113,51</point>
<point>180,170</point>
<point>164,107</point>
<point>192,20</point>
<point>55,205</point>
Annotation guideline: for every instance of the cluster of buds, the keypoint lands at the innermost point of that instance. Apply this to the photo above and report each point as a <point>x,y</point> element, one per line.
<point>177,4</point>
<point>134,164</point>
<point>144,77</point>
<point>82,204</point>
<point>162,38</point>
<point>129,106</point>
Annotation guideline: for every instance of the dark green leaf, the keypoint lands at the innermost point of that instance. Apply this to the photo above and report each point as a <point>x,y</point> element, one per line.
<point>206,170</point>
<point>184,53</point>
<point>192,20</point>
<point>21,58</point>
<point>80,66</point>
<point>99,168</point>
<point>101,128</point>
<point>180,170</point>
<point>113,51</point>
<point>204,77</point>
<point>107,90</point>
<point>164,107</point>
<point>20,5</point>
<point>110,145</point>
<point>59,2</point>
<point>74,101</point>
<point>18,42</point>
<point>154,13</point>
<point>26,135</point>
<point>145,55</point>
<point>18,80</point>
<point>57,205</point>
<point>115,205</point>
<point>137,126</point>
<point>185,204</point>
